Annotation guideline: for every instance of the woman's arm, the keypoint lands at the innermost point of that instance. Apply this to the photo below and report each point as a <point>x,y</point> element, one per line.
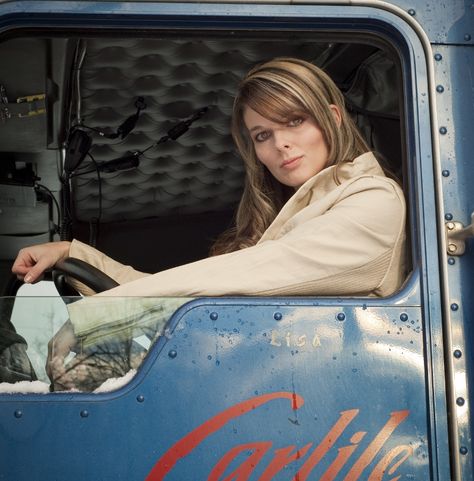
<point>33,261</point>
<point>120,272</point>
<point>350,250</point>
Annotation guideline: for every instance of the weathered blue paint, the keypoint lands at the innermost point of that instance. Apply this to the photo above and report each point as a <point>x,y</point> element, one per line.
<point>455,111</point>
<point>371,361</point>
<point>445,22</point>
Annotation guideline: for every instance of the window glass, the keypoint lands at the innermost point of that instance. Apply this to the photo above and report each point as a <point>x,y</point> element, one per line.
<point>94,344</point>
<point>38,312</point>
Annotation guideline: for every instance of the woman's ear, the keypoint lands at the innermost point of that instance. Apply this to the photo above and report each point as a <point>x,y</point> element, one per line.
<point>337,114</point>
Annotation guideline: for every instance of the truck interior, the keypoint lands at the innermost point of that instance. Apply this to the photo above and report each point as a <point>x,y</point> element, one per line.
<point>122,140</point>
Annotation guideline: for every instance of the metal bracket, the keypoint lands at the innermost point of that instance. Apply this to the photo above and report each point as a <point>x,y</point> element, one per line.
<point>456,235</point>
<point>35,105</point>
<point>26,106</point>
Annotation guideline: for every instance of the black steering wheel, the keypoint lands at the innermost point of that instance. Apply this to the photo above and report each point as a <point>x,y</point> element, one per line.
<point>83,272</point>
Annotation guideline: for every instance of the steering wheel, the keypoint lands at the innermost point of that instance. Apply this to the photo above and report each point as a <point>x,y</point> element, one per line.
<point>83,272</point>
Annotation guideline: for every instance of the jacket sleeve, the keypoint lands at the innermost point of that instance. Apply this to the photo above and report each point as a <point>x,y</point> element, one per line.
<point>120,272</point>
<point>346,251</point>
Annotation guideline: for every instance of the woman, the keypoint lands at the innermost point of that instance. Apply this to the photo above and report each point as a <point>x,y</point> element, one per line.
<point>318,215</point>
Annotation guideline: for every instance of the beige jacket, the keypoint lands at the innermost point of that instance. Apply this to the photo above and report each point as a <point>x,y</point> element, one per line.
<point>341,233</point>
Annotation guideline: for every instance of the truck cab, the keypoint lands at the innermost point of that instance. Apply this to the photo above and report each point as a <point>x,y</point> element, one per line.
<point>115,130</point>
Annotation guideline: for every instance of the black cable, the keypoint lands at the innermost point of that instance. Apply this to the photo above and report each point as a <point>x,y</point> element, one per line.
<point>94,129</point>
<point>129,161</point>
<point>94,223</point>
<point>88,170</point>
<point>100,133</point>
<point>65,227</point>
<point>123,129</point>
<point>99,179</point>
<point>179,129</point>
<point>53,198</point>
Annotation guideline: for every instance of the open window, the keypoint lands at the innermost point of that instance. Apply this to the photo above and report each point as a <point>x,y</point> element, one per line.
<point>180,189</point>
<point>86,145</point>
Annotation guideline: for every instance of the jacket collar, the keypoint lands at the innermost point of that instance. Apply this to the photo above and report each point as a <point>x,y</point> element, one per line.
<point>321,184</point>
<point>329,178</point>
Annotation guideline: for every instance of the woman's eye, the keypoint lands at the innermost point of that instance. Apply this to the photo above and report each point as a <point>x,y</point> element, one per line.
<point>262,136</point>
<point>296,122</point>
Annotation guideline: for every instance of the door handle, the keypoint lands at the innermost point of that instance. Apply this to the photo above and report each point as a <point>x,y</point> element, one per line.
<point>456,235</point>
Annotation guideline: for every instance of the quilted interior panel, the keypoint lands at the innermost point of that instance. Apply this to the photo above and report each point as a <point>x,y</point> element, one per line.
<point>200,171</point>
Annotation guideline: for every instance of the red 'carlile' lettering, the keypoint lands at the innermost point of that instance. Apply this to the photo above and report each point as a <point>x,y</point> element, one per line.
<point>389,463</point>
<point>326,444</point>
<point>282,458</point>
<point>185,445</point>
<point>376,445</point>
<point>343,455</point>
<point>243,472</point>
<point>381,468</point>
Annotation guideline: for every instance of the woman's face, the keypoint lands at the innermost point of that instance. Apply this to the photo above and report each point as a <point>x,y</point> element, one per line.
<point>293,151</point>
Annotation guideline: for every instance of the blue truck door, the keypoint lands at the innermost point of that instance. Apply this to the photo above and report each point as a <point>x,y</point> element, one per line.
<point>281,388</point>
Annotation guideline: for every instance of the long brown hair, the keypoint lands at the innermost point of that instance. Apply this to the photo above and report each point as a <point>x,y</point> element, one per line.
<point>276,90</point>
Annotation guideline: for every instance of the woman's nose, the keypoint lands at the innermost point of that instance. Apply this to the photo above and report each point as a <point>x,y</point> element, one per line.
<point>282,140</point>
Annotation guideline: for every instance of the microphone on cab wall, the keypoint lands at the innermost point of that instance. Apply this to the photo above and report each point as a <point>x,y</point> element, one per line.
<point>129,161</point>
<point>180,128</point>
<point>127,125</point>
<point>132,160</point>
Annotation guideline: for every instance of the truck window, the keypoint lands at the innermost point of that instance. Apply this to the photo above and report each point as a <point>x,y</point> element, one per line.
<point>166,206</point>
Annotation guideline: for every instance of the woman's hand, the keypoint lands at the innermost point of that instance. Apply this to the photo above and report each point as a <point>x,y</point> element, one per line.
<point>69,367</point>
<point>31,262</point>
<point>77,373</point>
<point>59,348</point>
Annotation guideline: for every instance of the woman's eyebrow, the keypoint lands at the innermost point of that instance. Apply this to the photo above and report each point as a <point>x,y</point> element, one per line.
<point>256,127</point>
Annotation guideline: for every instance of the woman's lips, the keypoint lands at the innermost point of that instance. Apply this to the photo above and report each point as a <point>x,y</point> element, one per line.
<point>289,163</point>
